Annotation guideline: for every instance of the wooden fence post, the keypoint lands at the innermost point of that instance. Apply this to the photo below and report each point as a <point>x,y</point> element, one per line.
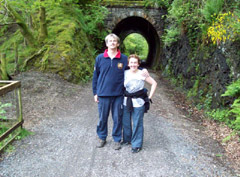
<point>4,75</point>
<point>0,67</point>
<point>16,58</point>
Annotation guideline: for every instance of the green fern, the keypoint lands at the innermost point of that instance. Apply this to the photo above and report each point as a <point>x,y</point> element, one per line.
<point>221,115</point>
<point>171,36</point>
<point>212,9</point>
<point>233,89</point>
<point>236,111</point>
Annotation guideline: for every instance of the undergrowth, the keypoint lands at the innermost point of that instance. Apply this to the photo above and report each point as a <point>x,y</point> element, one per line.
<point>6,125</point>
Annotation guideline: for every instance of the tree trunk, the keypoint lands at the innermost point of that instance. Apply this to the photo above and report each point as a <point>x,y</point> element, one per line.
<point>26,32</point>
<point>43,25</point>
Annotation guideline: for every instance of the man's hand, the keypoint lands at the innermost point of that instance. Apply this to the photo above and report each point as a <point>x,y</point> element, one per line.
<point>96,98</point>
<point>145,73</point>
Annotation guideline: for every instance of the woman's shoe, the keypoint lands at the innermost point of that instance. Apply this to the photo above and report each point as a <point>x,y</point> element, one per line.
<point>136,150</point>
<point>125,143</point>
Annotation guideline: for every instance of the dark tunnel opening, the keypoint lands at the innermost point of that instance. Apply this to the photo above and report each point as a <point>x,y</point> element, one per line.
<point>140,25</point>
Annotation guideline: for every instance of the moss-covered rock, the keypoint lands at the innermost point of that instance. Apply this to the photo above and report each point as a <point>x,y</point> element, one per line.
<point>68,50</point>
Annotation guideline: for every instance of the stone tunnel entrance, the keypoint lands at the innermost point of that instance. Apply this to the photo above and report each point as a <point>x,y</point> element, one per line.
<point>140,25</point>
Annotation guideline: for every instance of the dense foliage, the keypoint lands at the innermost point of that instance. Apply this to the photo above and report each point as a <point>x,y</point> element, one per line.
<point>209,26</point>
<point>135,44</point>
<point>233,91</point>
<point>218,19</point>
<point>56,36</point>
<point>226,27</point>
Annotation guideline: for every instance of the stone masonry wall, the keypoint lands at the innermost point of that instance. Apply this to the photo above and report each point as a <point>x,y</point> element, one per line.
<point>154,16</point>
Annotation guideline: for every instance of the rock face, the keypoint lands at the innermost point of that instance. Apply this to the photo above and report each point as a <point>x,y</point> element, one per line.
<point>68,51</point>
<point>205,72</point>
<point>72,60</point>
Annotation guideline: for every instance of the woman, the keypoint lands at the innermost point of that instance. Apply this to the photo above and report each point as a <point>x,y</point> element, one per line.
<point>135,103</point>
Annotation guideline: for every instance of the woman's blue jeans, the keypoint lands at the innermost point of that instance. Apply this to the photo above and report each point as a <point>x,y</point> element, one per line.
<point>133,126</point>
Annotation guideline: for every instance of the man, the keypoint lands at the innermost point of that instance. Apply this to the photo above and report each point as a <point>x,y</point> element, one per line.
<point>108,78</point>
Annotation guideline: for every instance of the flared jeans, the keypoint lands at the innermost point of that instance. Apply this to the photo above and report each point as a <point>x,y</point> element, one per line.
<point>133,126</point>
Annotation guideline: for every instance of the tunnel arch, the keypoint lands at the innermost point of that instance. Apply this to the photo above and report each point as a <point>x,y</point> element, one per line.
<point>135,24</point>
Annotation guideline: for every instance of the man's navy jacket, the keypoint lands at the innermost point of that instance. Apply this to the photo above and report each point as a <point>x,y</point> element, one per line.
<point>108,76</point>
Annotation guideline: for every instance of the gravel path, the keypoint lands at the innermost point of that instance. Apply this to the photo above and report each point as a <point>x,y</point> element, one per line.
<point>63,118</point>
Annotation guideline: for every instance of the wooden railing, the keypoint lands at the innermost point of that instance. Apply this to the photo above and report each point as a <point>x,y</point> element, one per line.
<point>11,119</point>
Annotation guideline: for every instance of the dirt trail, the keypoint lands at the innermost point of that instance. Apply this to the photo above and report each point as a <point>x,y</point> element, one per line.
<point>63,117</point>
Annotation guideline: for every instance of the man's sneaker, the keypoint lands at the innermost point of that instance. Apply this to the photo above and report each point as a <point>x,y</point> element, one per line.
<point>116,146</point>
<point>101,143</point>
<point>136,150</point>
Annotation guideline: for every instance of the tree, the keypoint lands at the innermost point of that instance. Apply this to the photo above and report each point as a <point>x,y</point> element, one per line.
<point>17,12</point>
<point>10,14</point>
<point>43,24</point>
